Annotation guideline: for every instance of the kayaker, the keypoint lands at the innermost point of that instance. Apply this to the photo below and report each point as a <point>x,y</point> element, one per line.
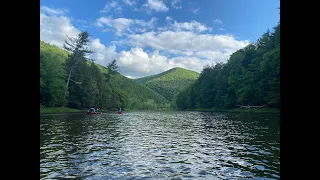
<point>120,110</point>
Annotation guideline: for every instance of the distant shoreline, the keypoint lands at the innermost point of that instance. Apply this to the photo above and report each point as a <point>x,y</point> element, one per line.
<point>60,110</point>
<point>57,110</point>
<point>239,110</point>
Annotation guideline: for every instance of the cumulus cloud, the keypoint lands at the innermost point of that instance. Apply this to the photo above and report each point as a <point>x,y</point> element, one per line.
<point>120,25</point>
<point>137,62</point>
<point>123,26</point>
<point>168,18</point>
<point>175,4</point>
<point>190,26</point>
<point>50,11</point>
<point>179,49</point>
<point>155,5</point>
<point>186,41</point>
<point>53,29</point>
<point>113,5</point>
<point>129,2</point>
<point>103,55</point>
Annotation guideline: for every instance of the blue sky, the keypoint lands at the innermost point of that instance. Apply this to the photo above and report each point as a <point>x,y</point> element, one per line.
<point>150,36</point>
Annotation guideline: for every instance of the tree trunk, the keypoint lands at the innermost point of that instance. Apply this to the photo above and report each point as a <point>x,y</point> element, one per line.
<point>65,92</point>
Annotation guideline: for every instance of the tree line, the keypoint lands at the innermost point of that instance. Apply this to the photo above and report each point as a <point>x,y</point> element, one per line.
<point>70,79</point>
<point>251,76</point>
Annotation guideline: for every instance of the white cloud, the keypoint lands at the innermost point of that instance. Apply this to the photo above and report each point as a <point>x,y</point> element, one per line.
<point>195,11</point>
<point>215,56</point>
<point>53,29</point>
<point>217,21</point>
<point>123,26</point>
<point>190,26</point>
<point>137,62</point>
<point>186,41</point>
<point>49,11</point>
<point>120,25</point>
<point>174,4</point>
<point>168,18</point>
<point>178,49</point>
<point>130,77</point>
<point>155,5</point>
<point>112,5</point>
<point>129,2</point>
<point>103,55</point>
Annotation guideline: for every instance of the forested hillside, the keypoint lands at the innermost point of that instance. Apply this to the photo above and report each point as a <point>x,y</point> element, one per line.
<point>171,82</point>
<point>90,84</point>
<point>250,77</point>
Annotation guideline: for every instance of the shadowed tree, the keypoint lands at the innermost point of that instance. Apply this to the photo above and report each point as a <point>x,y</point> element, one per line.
<point>113,69</point>
<point>78,47</point>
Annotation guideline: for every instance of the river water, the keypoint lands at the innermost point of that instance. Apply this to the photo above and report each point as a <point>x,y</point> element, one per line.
<point>160,145</point>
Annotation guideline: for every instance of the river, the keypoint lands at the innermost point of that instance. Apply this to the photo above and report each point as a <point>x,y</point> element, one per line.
<point>160,145</point>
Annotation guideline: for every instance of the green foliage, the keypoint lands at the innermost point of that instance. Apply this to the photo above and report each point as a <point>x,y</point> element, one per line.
<point>83,90</point>
<point>88,84</point>
<point>113,69</point>
<point>250,77</point>
<point>171,82</point>
<point>52,82</point>
<point>139,96</point>
<point>59,54</point>
<point>49,110</point>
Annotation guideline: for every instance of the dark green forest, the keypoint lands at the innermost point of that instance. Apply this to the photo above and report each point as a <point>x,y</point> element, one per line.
<point>250,77</point>
<point>171,82</point>
<point>68,79</point>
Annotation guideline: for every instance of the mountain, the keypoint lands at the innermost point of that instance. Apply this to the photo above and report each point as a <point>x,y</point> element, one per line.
<point>52,83</point>
<point>140,96</point>
<point>171,82</point>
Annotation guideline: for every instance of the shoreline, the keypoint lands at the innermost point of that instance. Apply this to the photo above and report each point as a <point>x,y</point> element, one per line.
<point>62,110</point>
<point>239,110</point>
<point>59,110</point>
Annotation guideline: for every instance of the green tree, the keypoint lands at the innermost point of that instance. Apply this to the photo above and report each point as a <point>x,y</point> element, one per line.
<point>78,48</point>
<point>250,77</point>
<point>113,69</point>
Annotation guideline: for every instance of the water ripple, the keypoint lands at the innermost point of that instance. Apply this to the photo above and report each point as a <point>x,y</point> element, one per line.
<point>160,145</point>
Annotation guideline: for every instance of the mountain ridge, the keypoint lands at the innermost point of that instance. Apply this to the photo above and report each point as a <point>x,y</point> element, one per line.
<point>169,83</point>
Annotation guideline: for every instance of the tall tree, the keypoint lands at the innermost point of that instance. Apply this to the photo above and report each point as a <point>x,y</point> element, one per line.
<point>78,46</point>
<point>113,69</point>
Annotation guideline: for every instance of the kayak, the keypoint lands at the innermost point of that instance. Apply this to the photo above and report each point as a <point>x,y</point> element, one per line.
<point>119,112</point>
<point>94,113</point>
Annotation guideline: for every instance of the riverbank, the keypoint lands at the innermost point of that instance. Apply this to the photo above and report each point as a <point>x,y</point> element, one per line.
<point>239,110</point>
<point>53,110</point>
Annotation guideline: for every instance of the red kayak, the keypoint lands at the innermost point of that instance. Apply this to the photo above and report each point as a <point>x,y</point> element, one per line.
<point>119,112</point>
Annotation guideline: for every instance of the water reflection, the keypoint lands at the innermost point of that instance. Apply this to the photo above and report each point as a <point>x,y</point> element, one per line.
<point>165,145</point>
